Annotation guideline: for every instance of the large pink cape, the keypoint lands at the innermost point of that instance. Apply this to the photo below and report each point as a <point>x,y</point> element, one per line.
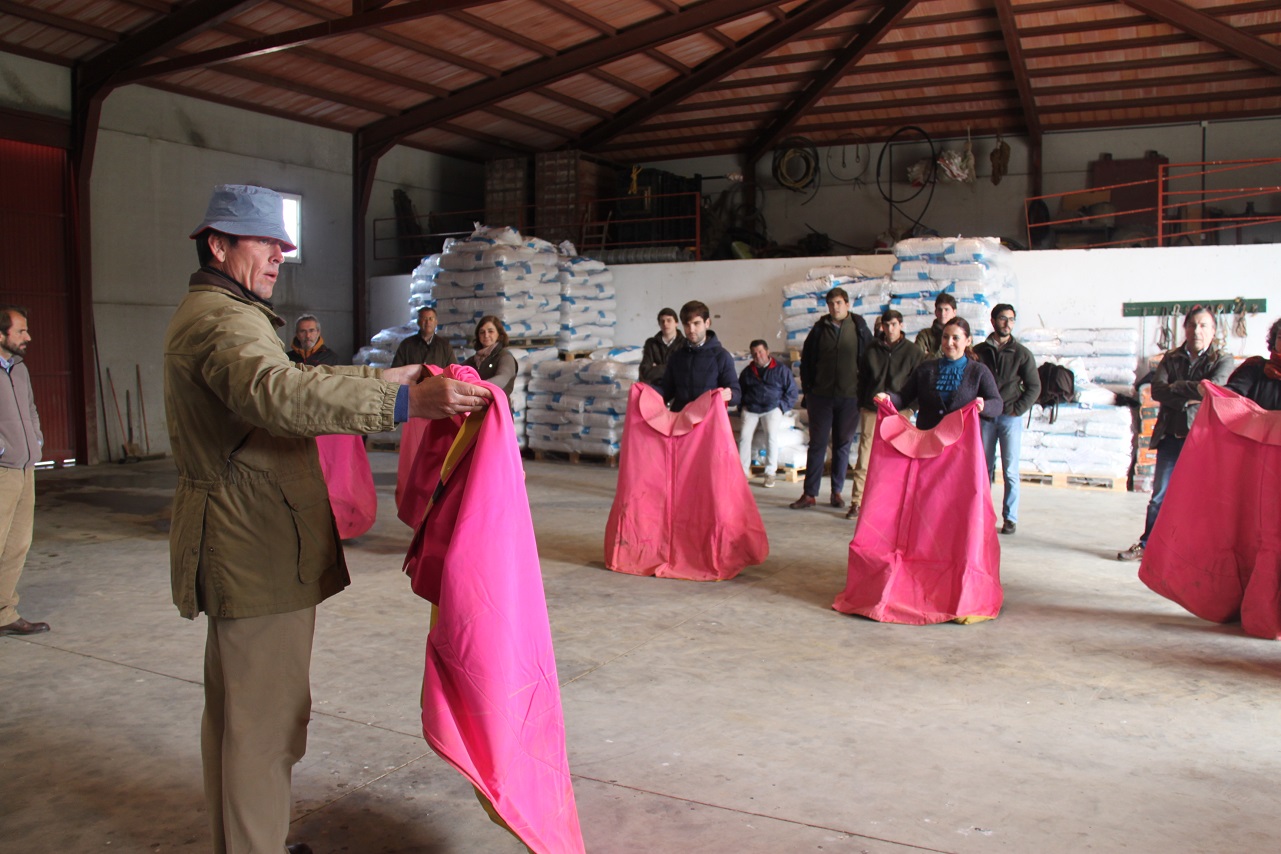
<point>682,508</point>
<point>351,484</point>
<point>1216,547</point>
<point>491,701</point>
<point>925,549</point>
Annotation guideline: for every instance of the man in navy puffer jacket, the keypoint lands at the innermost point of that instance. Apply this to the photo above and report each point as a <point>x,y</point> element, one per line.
<point>769,393</point>
<point>698,365</point>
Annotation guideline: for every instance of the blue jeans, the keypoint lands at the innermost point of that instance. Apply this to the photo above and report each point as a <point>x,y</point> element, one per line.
<point>834,420</point>
<point>1167,454</point>
<point>1008,430</point>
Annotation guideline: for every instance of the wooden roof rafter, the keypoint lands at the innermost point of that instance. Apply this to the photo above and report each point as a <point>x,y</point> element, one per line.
<point>764,40</point>
<point>378,137</point>
<point>871,33</point>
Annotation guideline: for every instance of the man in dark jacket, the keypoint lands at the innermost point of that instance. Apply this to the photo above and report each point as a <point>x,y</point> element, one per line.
<point>658,348</point>
<point>700,364</point>
<point>769,393</point>
<point>1259,378</point>
<point>1015,370</point>
<point>931,340</point>
<point>829,381</point>
<point>1176,385</point>
<point>425,348</point>
<point>308,347</point>
<point>886,365</point>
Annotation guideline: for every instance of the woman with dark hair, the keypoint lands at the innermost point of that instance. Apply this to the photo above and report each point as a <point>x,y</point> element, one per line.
<point>950,382</point>
<point>1176,385</point>
<point>491,359</point>
<point>925,546</point>
<point>1260,379</point>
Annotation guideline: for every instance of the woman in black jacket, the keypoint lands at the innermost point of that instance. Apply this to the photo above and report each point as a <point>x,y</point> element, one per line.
<point>950,382</point>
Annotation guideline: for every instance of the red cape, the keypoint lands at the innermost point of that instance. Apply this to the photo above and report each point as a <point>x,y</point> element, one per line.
<point>491,700</point>
<point>925,549</point>
<point>1216,546</point>
<point>682,508</point>
<point>351,484</point>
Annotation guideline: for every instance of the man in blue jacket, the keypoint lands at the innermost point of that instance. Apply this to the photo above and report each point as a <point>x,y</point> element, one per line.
<point>700,364</point>
<point>769,393</point>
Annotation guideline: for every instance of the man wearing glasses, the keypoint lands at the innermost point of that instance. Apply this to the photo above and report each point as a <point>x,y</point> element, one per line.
<point>1015,370</point>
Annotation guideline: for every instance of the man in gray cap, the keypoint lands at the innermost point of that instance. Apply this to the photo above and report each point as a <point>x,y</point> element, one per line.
<point>252,541</point>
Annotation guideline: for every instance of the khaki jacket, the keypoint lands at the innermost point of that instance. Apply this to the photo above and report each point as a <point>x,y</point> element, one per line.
<point>252,532</point>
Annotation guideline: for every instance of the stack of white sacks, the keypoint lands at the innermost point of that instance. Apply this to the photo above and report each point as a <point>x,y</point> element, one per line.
<point>1091,436</point>
<point>974,270</point>
<point>588,308</point>
<point>498,272</point>
<point>526,360</point>
<point>579,405</point>
<point>382,347</point>
<point>1108,358</point>
<point>804,302</point>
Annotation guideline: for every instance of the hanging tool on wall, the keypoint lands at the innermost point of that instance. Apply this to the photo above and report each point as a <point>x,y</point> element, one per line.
<point>142,410</point>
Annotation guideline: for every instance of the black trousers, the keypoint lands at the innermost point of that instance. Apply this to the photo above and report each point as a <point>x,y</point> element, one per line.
<point>835,419</point>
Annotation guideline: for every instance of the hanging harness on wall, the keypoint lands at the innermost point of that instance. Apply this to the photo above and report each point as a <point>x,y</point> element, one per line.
<point>1000,158</point>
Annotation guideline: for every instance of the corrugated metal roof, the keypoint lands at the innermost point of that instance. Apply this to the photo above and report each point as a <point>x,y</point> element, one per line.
<point>654,79</point>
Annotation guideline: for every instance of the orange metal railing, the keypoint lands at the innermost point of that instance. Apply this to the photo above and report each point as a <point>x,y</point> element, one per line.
<point>1184,209</point>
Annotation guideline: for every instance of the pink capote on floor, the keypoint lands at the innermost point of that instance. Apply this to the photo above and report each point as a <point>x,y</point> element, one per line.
<point>1216,546</point>
<point>925,549</point>
<point>351,484</point>
<point>682,508</point>
<point>491,700</point>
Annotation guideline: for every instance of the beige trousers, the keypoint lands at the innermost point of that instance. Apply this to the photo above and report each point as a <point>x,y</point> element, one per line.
<point>257,705</point>
<point>17,517</point>
<point>866,429</point>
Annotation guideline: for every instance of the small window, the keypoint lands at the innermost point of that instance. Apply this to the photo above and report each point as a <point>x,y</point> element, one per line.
<point>293,225</point>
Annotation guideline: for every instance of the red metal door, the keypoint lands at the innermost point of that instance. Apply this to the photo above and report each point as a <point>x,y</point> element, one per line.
<point>34,274</point>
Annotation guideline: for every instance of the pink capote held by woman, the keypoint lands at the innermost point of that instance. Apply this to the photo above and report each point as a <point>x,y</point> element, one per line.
<point>491,700</point>
<point>925,549</point>
<point>352,496</point>
<point>682,508</point>
<point>1216,547</point>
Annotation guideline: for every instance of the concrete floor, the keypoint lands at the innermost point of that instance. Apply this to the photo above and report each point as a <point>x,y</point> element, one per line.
<point>743,716</point>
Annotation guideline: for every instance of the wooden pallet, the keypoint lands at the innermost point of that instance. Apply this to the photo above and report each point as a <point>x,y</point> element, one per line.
<point>571,355</point>
<point>574,457</point>
<point>787,475</point>
<point>1074,481</point>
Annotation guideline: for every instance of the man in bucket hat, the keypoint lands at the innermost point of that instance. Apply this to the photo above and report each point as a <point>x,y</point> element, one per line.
<point>252,541</point>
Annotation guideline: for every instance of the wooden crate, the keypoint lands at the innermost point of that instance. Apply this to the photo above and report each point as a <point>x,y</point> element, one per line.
<point>574,457</point>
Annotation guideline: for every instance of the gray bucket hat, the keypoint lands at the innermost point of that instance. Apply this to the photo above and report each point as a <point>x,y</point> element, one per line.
<point>246,211</point>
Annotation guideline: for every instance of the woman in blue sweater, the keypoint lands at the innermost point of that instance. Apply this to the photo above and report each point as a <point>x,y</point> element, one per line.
<point>948,383</point>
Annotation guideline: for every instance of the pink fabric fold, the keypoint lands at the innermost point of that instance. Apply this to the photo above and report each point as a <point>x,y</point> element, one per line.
<point>925,549</point>
<point>352,496</point>
<point>682,508</point>
<point>491,700</point>
<point>1216,546</point>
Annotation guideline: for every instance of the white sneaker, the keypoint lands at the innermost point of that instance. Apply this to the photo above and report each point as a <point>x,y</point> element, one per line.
<point>769,481</point>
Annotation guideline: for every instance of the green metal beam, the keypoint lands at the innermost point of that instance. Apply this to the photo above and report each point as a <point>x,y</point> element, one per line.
<point>1173,308</point>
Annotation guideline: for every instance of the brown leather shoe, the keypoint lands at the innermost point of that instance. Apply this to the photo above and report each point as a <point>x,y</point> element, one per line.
<point>852,513</point>
<point>22,627</point>
<point>804,502</point>
<point>836,500</point>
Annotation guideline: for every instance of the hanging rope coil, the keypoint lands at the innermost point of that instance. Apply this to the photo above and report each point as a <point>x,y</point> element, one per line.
<point>796,165</point>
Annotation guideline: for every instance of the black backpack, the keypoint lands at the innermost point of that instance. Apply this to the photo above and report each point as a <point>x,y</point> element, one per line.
<point>1058,385</point>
